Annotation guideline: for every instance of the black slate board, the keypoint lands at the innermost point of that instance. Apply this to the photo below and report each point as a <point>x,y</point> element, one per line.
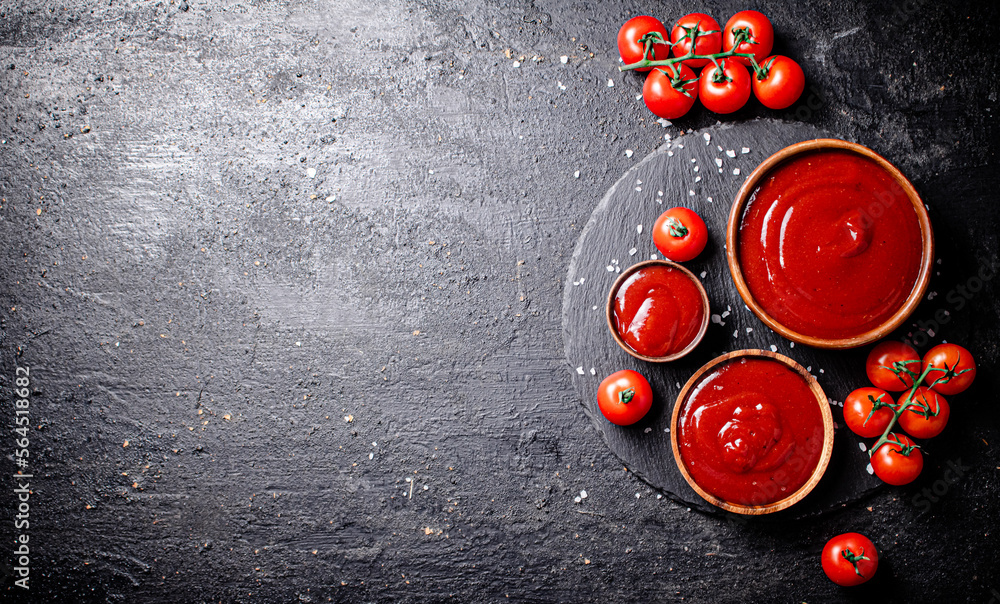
<point>685,171</point>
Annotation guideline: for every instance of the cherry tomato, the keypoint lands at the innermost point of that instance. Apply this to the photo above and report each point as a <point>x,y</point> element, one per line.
<point>895,464</point>
<point>861,416</point>
<point>624,397</point>
<point>849,559</point>
<point>724,91</point>
<point>706,44</point>
<point>953,365</point>
<point>782,84</point>
<point>891,355</point>
<point>759,29</point>
<point>663,98</point>
<point>916,423</point>
<point>680,234</point>
<point>632,50</point>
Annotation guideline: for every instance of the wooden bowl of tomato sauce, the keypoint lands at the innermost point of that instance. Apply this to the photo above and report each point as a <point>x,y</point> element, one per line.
<point>657,311</point>
<point>752,432</point>
<point>829,244</point>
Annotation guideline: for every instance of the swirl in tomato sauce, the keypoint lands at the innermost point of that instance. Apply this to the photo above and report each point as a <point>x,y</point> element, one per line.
<point>750,432</point>
<point>658,310</point>
<point>829,244</point>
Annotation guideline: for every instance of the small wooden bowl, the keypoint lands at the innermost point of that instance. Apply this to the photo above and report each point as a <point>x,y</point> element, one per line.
<point>610,311</point>
<point>927,237</point>
<point>824,460</point>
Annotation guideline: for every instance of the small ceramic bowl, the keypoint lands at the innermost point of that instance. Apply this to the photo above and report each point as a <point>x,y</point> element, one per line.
<point>610,311</point>
<point>745,193</point>
<point>825,453</point>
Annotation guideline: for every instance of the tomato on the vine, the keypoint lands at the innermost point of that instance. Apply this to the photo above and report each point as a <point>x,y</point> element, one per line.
<point>849,559</point>
<point>630,46</point>
<point>886,357</point>
<point>780,83</point>
<point>664,92</point>
<point>624,397</point>
<point>919,425</point>
<point>709,40</point>
<point>680,234</point>
<point>896,464</point>
<point>861,414</point>
<point>760,34</point>
<point>725,90</point>
<point>953,365</point>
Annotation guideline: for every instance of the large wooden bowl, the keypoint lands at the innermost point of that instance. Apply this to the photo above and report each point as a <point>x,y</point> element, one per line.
<point>610,311</point>
<point>732,245</point>
<point>818,471</point>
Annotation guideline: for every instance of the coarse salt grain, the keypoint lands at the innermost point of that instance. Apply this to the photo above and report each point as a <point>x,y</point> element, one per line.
<point>564,59</point>
<point>628,153</point>
<point>611,84</point>
<point>731,153</point>
<point>745,150</point>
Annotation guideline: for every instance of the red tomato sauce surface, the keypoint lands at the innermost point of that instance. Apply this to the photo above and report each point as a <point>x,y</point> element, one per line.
<point>750,432</point>
<point>829,244</point>
<point>658,311</point>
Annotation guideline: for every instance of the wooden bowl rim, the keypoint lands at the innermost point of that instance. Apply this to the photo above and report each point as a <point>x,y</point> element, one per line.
<point>825,455</point>
<point>610,311</point>
<point>926,232</point>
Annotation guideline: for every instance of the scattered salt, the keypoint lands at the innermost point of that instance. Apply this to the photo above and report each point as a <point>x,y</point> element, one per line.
<point>611,84</point>
<point>731,153</point>
<point>564,59</point>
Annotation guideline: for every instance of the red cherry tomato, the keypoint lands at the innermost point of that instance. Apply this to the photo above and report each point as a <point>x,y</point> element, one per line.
<point>680,234</point>
<point>954,368</point>
<point>861,416</point>
<point>781,85</point>
<point>891,355</point>
<point>666,100</point>
<point>757,26</point>
<point>919,425</point>
<point>706,44</point>
<point>849,559</point>
<point>724,91</point>
<point>898,465</point>
<point>624,397</point>
<point>632,50</point>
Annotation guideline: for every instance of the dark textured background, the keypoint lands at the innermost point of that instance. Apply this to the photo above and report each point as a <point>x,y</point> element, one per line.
<point>174,278</point>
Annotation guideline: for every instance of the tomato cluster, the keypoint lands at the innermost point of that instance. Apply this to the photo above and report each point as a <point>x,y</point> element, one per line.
<point>922,412</point>
<point>724,56</point>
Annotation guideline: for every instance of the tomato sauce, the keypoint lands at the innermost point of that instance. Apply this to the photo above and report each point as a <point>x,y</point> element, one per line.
<point>750,432</point>
<point>658,310</point>
<point>830,245</point>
